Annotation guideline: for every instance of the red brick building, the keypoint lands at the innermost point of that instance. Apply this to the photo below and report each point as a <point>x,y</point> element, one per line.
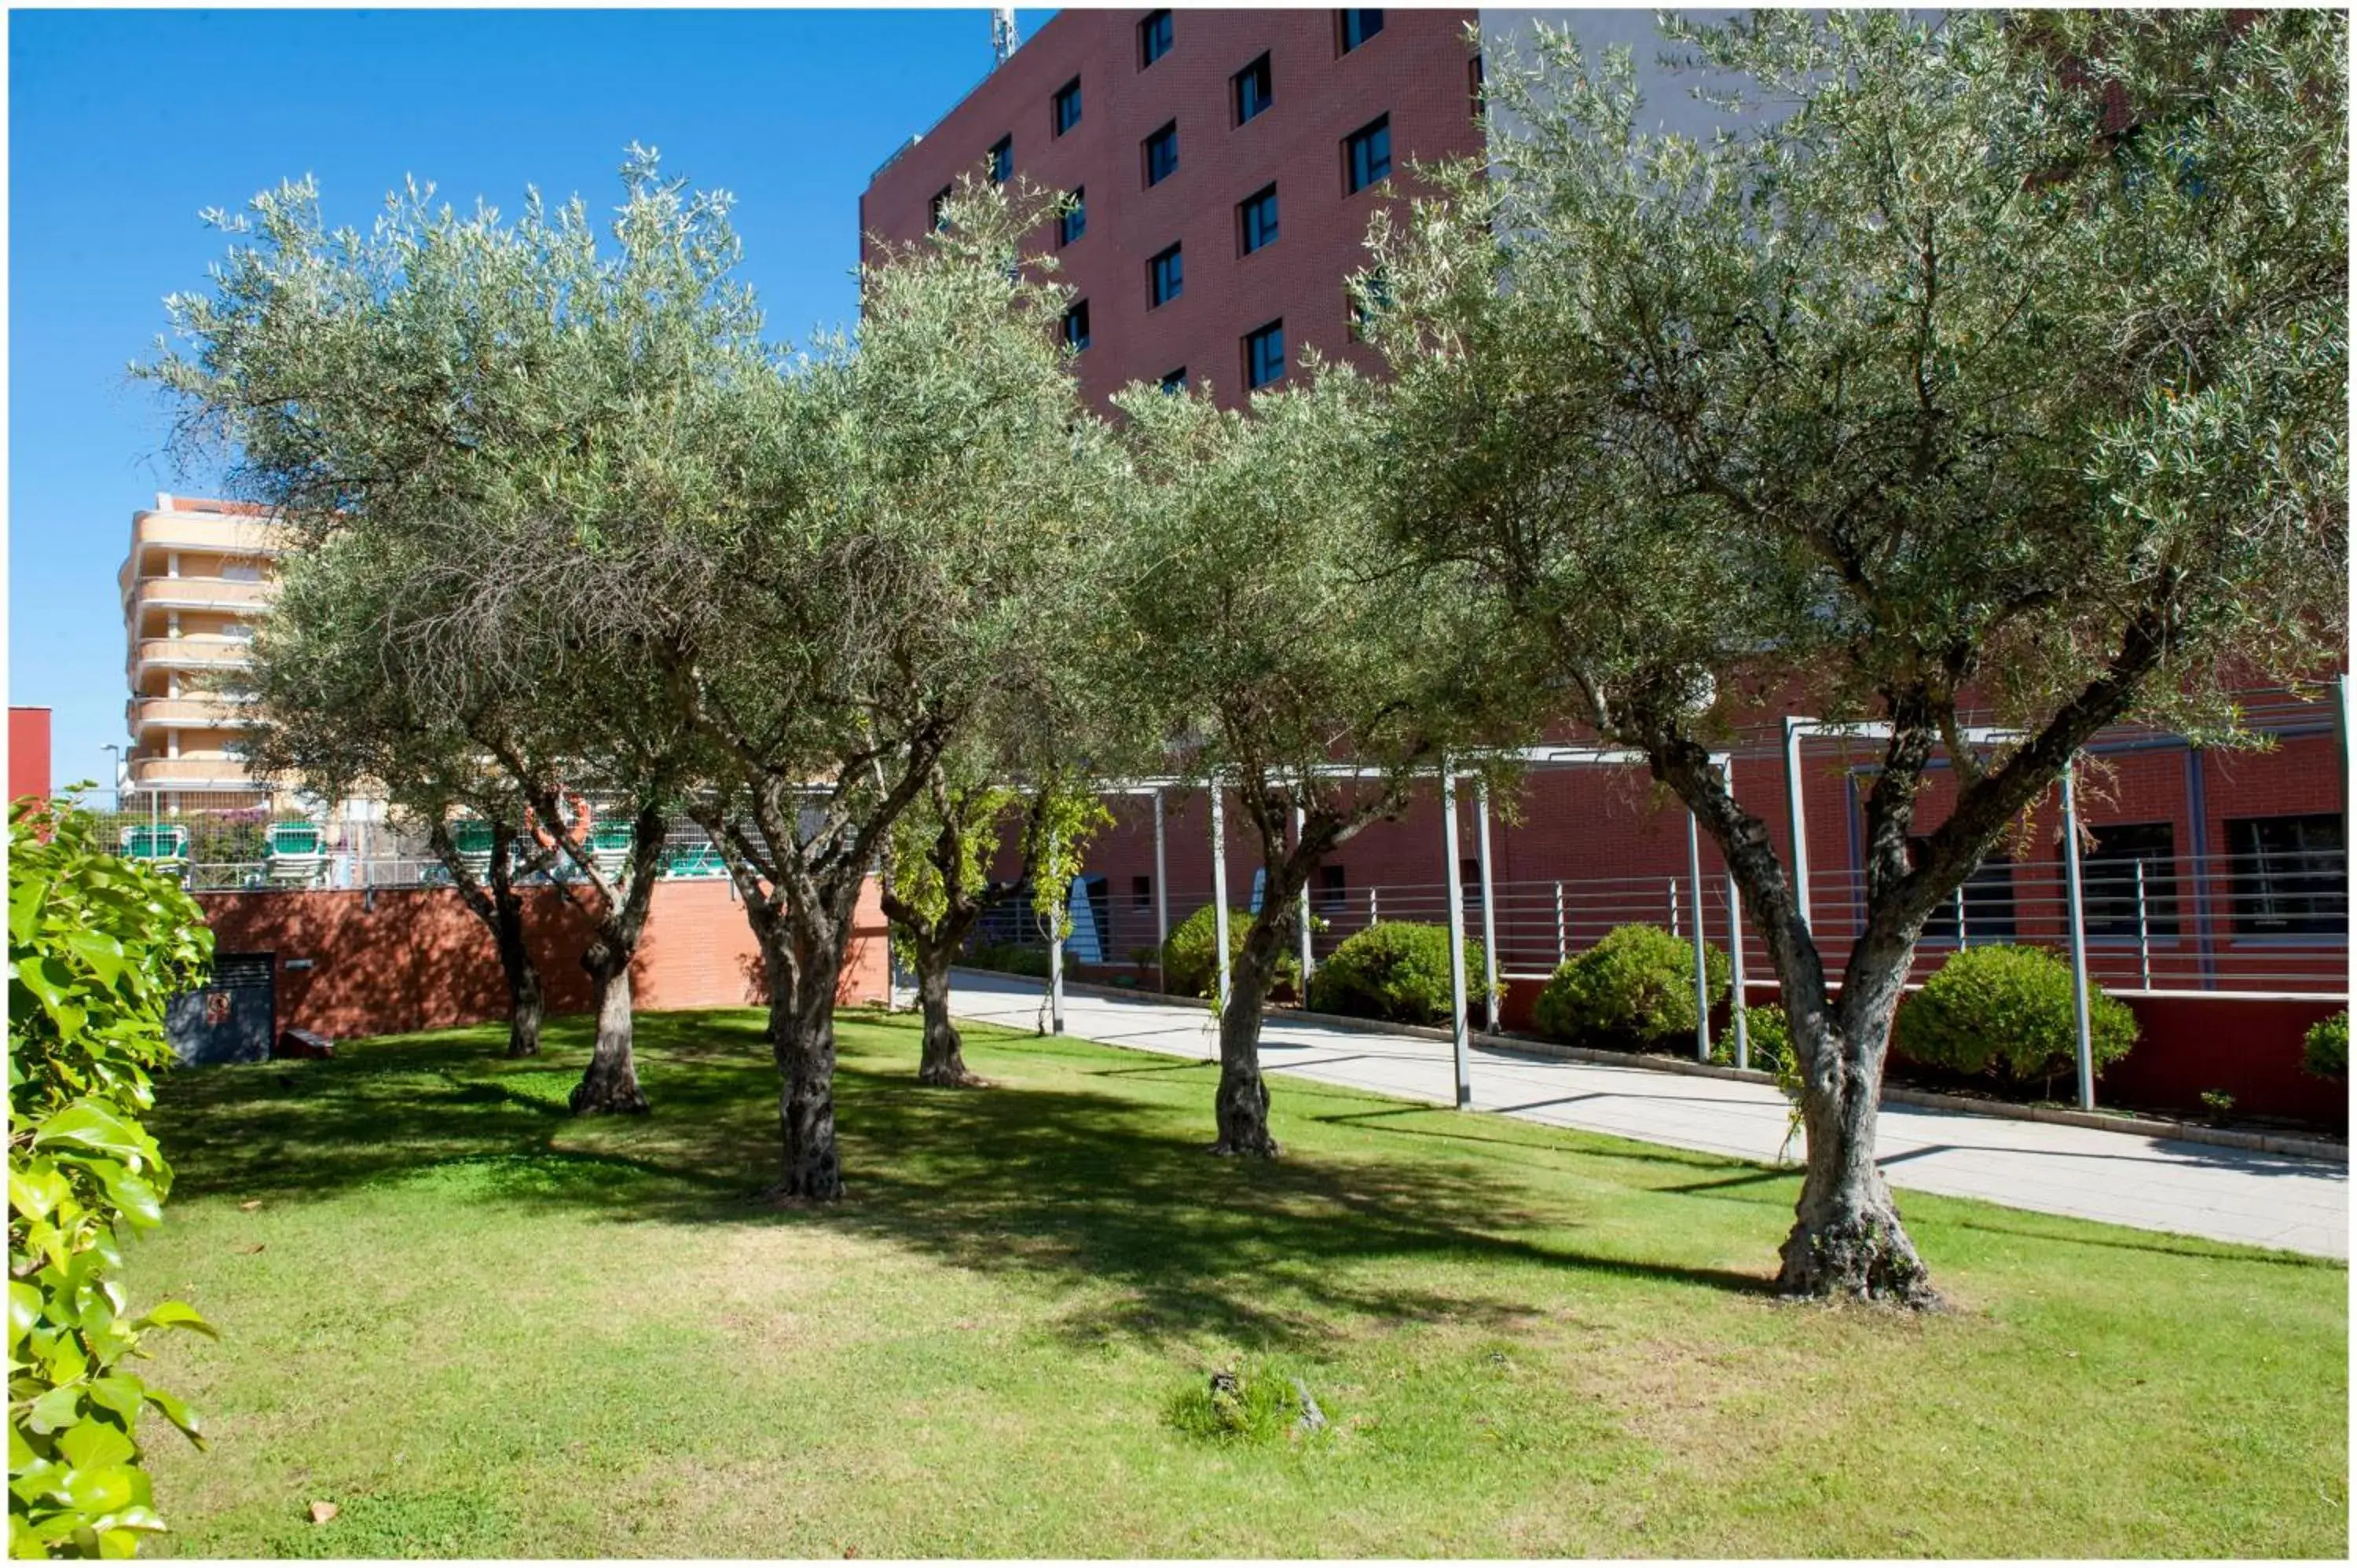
<point>28,753</point>
<point>2217,889</point>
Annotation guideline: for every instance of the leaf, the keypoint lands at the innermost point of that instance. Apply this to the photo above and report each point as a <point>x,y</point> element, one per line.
<point>88,1123</point>
<point>176,1315</point>
<point>176,1411</point>
<point>59,1407</point>
<point>95,1444</point>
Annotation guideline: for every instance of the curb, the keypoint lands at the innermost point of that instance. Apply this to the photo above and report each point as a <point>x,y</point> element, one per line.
<point>1532,1045</point>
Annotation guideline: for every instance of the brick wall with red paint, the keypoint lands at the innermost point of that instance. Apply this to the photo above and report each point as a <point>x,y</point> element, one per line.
<point>408,958</point>
<point>1416,71</point>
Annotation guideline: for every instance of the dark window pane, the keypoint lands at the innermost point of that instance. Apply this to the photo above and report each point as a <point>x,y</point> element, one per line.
<point>1257,216</point>
<point>940,207</point>
<point>1002,159</point>
<point>1256,90</point>
<point>1358,27</point>
<point>1153,38</point>
<point>1370,153</point>
<point>1076,325</point>
<point>1166,278</point>
<point>1068,106</point>
<point>1074,223</point>
<point>1141,892</point>
<point>2289,876</point>
<point>1331,889</point>
<point>2107,879</point>
<point>1265,355</point>
<point>1162,154</point>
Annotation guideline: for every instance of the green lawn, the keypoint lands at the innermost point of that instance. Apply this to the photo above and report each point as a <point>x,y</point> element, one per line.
<point>483,1328</point>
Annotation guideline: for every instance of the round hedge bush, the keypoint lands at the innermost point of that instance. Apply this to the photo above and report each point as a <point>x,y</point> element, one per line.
<point>1190,965</point>
<point>1770,1036</point>
<point>2006,1010</point>
<point>1394,970</point>
<point>1635,988</point>
<point>2327,1051</point>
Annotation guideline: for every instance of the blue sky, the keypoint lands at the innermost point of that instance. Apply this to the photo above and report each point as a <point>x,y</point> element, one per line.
<point>123,125</point>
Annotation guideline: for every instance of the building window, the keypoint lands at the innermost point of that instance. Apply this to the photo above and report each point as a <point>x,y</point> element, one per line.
<point>1141,893</point>
<point>1076,326</point>
<point>1330,890</point>
<point>2107,879</point>
<point>940,209</point>
<point>1175,381</point>
<point>1162,154</point>
<point>1153,38</point>
<point>1473,82</point>
<point>1002,160</point>
<point>1987,904</point>
<point>1166,278</point>
<point>1264,356</point>
<point>1073,221</point>
<point>1358,27</point>
<point>1367,154</point>
<point>1256,219</point>
<point>1067,110</point>
<point>1370,291</point>
<point>2289,875</point>
<point>1256,90</point>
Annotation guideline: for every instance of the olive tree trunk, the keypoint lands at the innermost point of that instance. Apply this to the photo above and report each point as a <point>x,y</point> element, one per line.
<point>527,1002</point>
<point>501,907</point>
<point>801,1041</point>
<point>610,1084</point>
<point>941,1062</point>
<point>1240,1106</point>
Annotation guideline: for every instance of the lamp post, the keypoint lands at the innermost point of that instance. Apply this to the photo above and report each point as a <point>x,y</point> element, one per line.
<point>115,774</point>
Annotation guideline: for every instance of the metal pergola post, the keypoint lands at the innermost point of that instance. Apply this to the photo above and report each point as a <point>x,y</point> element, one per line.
<point>1455,897</point>
<point>1301,912</point>
<point>1489,908</point>
<point>1793,730</point>
<point>2078,936</point>
<point>1161,898</point>
<point>1701,947</point>
<point>1219,890</point>
<point>1739,1011</point>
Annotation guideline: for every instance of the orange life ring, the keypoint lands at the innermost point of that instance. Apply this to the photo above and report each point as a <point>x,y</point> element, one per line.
<point>578,834</point>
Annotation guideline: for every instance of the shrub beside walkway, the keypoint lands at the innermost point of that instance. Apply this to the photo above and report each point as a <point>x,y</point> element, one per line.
<point>2153,1184</point>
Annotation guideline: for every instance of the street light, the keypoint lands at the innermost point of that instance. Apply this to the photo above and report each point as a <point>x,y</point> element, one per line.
<point>117,774</point>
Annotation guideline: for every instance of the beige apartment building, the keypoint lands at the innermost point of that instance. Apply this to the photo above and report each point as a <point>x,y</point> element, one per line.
<point>199,574</point>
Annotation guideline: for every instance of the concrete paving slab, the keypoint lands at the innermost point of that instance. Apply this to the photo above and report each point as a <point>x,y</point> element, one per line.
<point>2152,1184</point>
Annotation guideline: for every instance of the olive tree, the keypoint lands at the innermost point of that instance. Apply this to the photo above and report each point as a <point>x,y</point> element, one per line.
<point>1291,654</point>
<point>326,711</point>
<point>1991,369</point>
<point>482,413</point>
<point>910,514</point>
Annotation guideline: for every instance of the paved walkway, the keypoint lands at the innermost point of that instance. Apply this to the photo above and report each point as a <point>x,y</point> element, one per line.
<point>2154,1183</point>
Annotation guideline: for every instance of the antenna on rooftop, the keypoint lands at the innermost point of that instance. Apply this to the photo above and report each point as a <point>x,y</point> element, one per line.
<point>1002,33</point>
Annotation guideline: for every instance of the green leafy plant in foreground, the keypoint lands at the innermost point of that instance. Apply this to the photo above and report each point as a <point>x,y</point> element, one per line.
<point>97,945</point>
<point>1256,1404</point>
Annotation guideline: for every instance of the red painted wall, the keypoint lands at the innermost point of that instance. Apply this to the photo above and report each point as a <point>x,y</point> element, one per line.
<point>1415,70</point>
<point>415,959</point>
<point>28,752</point>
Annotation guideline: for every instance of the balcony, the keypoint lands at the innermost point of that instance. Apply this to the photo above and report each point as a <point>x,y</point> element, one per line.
<point>182,713</point>
<point>185,653</point>
<point>190,773</point>
<point>210,532</point>
<point>195,594</point>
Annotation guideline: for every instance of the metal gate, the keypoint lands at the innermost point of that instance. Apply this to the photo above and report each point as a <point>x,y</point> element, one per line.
<point>233,1017</point>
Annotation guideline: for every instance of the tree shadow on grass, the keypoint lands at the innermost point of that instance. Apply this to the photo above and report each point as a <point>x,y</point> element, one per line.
<point>1109,1194</point>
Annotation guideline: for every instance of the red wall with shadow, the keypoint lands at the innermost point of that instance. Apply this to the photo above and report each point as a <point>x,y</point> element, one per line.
<point>352,963</point>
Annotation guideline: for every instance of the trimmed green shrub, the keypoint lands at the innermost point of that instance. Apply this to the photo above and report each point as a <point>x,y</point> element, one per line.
<point>97,945</point>
<point>1634,989</point>
<point>1190,965</point>
<point>2326,1053</point>
<point>2006,1010</point>
<point>1396,970</point>
<point>1770,1036</point>
<point>1010,958</point>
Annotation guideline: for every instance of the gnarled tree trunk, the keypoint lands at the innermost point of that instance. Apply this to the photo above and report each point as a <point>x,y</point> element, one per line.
<point>1241,1105</point>
<point>610,1085</point>
<point>801,1039</point>
<point>941,1062</point>
<point>527,1004</point>
<point>1847,1239</point>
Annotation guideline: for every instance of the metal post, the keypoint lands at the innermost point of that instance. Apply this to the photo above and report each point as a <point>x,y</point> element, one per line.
<point>1562,941</point>
<point>1962,939</point>
<point>1161,898</point>
<point>2078,937</point>
<point>1375,907</point>
<point>1701,947</point>
<point>2144,933</point>
<point>1456,896</point>
<point>1308,959</point>
<point>1058,921</point>
<point>1219,889</point>
<point>1678,928</point>
<point>1800,822</point>
<point>1738,1010</point>
<point>1489,909</point>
